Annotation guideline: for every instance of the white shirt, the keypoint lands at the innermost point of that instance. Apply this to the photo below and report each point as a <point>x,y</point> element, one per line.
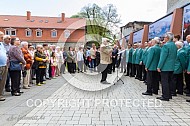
<point>80,56</point>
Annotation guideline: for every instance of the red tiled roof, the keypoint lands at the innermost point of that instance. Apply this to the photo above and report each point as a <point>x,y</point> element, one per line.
<point>41,22</point>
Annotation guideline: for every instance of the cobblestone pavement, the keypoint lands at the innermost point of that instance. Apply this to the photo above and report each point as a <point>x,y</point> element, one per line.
<point>72,106</point>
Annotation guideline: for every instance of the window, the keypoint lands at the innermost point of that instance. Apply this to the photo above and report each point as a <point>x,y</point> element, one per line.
<point>53,33</point>
<point>67,33</point>
<point>28,32</point>
<point>10,31</point>
<point>38,33</point>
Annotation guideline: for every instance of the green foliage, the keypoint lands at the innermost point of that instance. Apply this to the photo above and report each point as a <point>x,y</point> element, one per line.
<point>100,21</point>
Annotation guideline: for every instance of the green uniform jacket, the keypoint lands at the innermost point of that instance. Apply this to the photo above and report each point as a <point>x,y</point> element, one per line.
<point>187,50</point>
<point>188,68</point>
<point>167,57</point>
<point>144,55</point>
<point>180,62</point>
<point>153,58</point>
<point>134,55</point>
<point>138,56</point>
<point>130,55</point>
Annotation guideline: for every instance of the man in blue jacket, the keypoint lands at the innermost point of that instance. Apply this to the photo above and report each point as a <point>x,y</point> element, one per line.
<point>151,68</point>
<point>166,65</point>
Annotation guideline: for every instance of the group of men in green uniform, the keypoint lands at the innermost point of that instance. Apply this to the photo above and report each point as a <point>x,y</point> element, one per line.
<point>167,63</point>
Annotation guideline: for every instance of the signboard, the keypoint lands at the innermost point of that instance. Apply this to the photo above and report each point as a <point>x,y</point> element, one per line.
<point>160,27</point>
<point>137,36</point>
<point>186,22</point>
<point>127,38</point>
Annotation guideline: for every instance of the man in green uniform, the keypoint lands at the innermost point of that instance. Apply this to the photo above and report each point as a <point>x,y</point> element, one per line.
<point>180,63</point>
<point>137,62</point>
<point>151,68</point>
<point>187,74</point>
<point>133,60</point>
<point>166,65</point>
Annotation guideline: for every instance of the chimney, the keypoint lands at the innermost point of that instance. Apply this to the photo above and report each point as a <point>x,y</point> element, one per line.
<point>62,17</point>
<point>28,15</point>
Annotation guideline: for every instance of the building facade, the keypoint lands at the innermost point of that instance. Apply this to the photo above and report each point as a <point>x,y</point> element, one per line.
<point>173,4</point>
<point>131,27</point>
<point>37,29</point>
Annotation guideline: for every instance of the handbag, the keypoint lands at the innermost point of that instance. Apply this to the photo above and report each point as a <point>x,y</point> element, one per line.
<point>15,66</point>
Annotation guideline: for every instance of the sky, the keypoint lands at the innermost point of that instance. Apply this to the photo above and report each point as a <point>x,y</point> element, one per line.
<point>129,10</point>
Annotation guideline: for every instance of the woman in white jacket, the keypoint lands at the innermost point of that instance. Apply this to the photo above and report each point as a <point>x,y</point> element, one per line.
<point>60,60</point>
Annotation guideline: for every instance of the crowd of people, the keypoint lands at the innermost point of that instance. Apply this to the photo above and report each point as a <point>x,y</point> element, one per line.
<point>165,62</point>
<point>156,62</point>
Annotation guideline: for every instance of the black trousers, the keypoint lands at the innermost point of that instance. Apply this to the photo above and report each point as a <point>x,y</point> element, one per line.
<point>152,82</point>
<point>140,72</point>
<point>50,75</point>
<point>137,70</point>
<point>104,70</point>
<point>71,67</point>
<point>166,81</point>
<point>40,72</point>
<point>8,85</point>
<point>15,81</point>
<point>144,72</point>
<point>129,69</point>
<point>177,83</point>
<point>133,70</point>
<point>187,81</point>
<point>113,64</point>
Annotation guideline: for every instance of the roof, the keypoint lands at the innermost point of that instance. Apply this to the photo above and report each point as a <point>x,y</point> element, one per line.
<point>41,22</point>
<point>130,24</point>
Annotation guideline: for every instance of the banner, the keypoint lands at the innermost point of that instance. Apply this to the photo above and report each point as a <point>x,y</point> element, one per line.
<point>186,22</point>
<point>160,27</point>
<point>137,36</point>
<point>127,38</point>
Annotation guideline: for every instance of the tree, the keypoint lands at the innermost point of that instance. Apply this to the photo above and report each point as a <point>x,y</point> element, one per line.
<point>100,21</point>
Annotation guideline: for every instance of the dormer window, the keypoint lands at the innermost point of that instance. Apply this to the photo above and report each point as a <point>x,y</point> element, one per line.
<point>38,33</point>
<point>28,32</point>
<point>67,34</point>
<point>53,33</point>
<point>10,31</point>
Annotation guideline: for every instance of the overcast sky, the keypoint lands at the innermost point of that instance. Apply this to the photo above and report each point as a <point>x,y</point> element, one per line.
<point>129,10</point>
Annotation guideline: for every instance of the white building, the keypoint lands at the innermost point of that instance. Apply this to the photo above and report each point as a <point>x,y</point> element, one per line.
<point>173,4</point>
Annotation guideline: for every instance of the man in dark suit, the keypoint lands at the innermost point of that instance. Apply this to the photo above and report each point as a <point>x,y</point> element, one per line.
<point>151,68</point>
<point>166,65</point>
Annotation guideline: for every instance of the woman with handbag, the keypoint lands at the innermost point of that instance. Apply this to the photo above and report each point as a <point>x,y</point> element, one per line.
<point>17,62</point>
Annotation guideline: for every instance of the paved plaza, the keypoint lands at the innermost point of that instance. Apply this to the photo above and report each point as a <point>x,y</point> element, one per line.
<point>89,109</point>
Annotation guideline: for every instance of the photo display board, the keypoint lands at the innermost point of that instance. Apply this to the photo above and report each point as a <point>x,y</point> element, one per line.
<point>137,36</point>
<point>160,27</point>
<point>186,22</point>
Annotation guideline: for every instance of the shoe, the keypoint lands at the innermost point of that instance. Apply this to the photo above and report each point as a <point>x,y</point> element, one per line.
<point>21,92</point>
<point>38,84</point>
<point>147,93</point>
<point>26,87</point>
<point>126,75</point>
<point>16,94</point>
<point>179,93</point>
<point>163,99</point>
<point>136,78</point>
<point>173,94</point>
<point>105,82</point>
<point>2,99</point>
<point>188,95</point>
<point>8,90</point>
<point>48,78</point>
<point>43,83</point>
<point>29,85</point>
<point>187,100</point>
<point>156,93</point>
